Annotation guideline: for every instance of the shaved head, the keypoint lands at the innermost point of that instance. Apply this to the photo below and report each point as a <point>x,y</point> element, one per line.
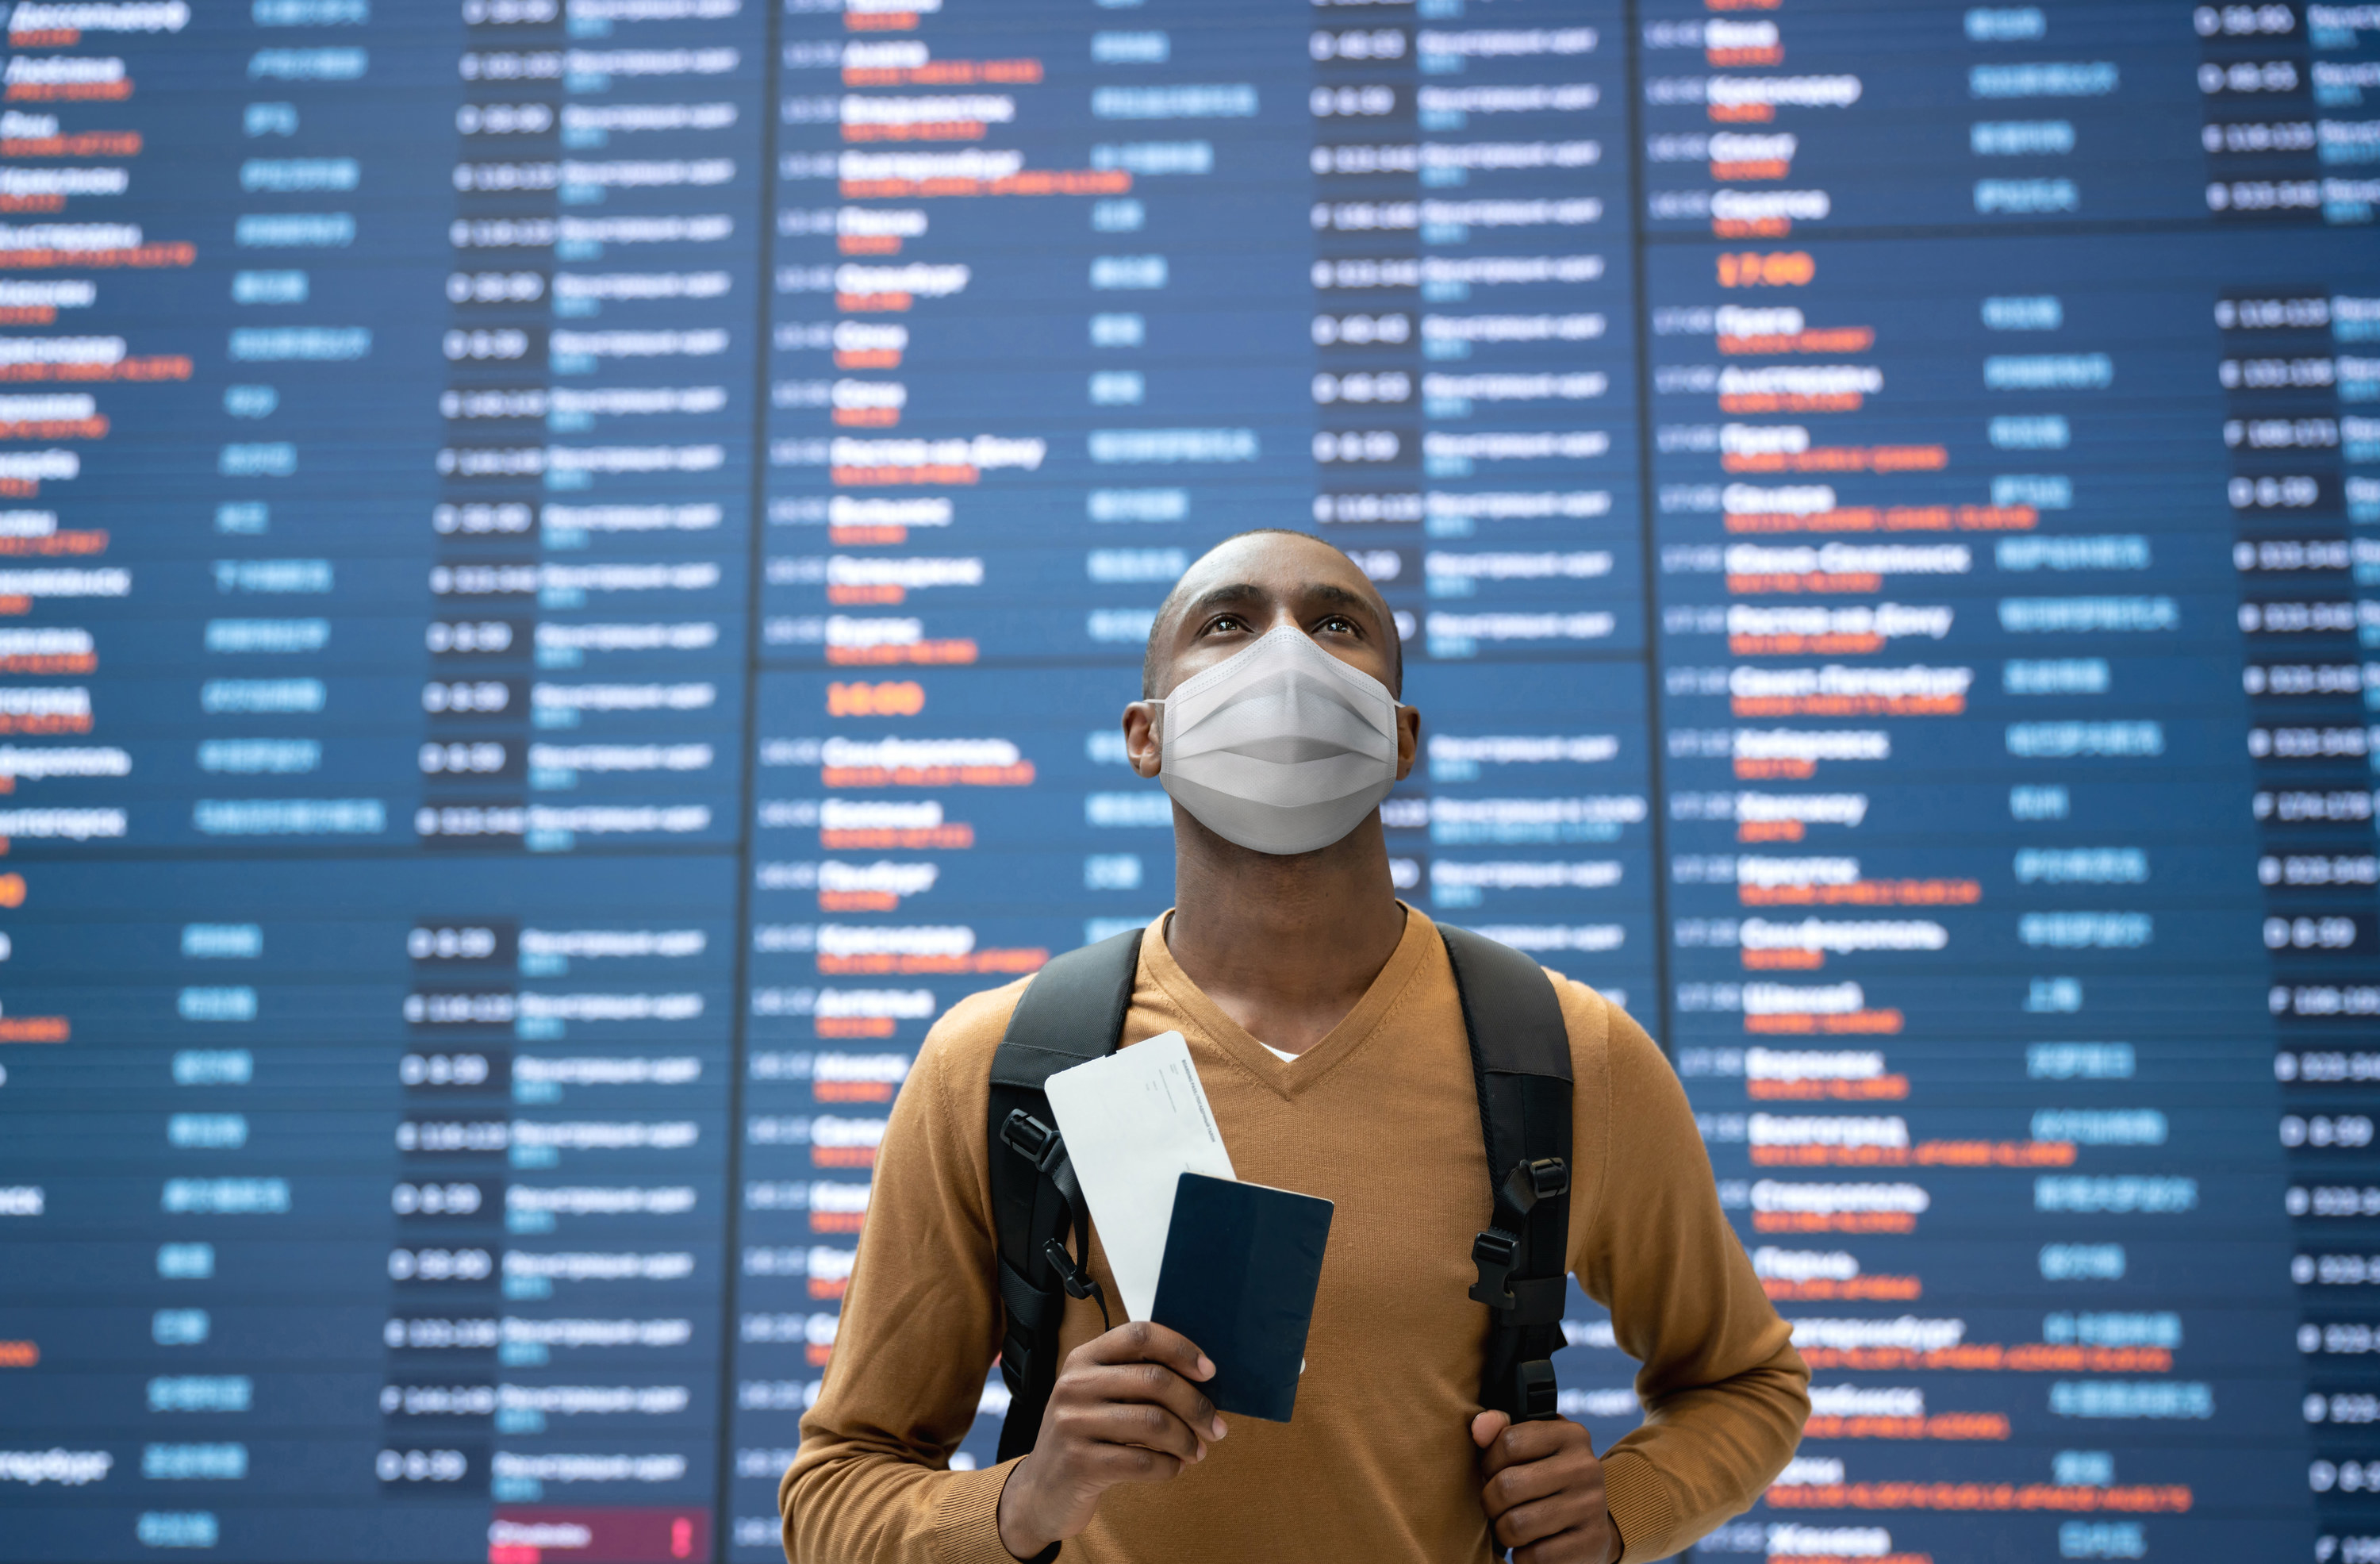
<point>1231,570</point>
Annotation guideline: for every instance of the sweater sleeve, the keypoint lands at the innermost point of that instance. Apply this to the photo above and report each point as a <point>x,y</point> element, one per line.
<point>919,1328</point>
<point>1725,1394</point>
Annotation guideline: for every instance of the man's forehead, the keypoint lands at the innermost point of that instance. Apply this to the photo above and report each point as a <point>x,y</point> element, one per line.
<point>1238,588</point>
<point>1266,564</point>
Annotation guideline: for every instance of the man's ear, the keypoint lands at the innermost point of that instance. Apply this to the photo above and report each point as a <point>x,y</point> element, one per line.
<point>1141,736</point>
<point>1408,739</point>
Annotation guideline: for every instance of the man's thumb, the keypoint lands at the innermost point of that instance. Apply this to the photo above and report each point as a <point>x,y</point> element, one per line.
<point>1487,1425</point>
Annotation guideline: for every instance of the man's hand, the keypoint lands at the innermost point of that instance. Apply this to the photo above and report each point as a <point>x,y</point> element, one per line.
<point>1125,1410</point>
<point>1543,1491</point>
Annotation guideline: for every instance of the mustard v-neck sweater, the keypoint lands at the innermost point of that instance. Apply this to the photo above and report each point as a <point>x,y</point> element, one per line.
<point>1381,1118</point>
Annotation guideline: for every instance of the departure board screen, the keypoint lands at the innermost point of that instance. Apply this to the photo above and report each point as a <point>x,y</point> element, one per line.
<point>568,570</point>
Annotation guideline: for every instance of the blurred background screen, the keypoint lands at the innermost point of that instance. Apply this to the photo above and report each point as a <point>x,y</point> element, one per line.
<point>568,568</point>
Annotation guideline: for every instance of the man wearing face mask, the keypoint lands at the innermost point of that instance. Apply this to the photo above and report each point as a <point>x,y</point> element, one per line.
<point>1326,1021</point>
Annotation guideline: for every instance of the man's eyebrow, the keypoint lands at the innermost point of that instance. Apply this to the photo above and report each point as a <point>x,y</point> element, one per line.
<point>1215,597</point>
<point>1332,593</point>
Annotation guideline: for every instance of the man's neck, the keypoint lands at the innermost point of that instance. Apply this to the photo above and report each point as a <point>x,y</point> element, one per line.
<point>1285,945</point>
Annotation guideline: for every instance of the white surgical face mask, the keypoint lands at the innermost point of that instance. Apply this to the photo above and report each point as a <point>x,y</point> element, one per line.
<point>1281,748</point>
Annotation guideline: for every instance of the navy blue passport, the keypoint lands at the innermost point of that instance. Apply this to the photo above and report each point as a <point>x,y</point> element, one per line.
<point>1242,1262</point>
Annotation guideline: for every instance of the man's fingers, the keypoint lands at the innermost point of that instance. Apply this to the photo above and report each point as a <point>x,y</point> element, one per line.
<point>1145,1341</point>
<point>1534,1523</point>
<point>1542,1489</point>
<point>1533,1441</point>
<point>1487,1425</point>
<point>1150,1427</point>
<point>1135,1463</point>
<point>1524,1482</point>
<point>1156,1384</point>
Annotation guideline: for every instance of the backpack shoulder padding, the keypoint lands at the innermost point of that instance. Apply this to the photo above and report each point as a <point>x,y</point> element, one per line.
<point>1519,1062</point>
<point>1073,1011</point>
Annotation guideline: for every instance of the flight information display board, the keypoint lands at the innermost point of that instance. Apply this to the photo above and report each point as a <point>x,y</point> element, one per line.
<point>568,568</point>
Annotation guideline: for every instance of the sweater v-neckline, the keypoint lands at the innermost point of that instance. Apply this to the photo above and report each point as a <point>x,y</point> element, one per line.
<point>1287,1078</point>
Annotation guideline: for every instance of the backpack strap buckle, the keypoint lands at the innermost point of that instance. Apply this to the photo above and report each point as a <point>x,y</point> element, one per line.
<point>1530,1182</point>
<point>1075,1277</point>
<point>1534,1394</point>
<point>1032,1141</point>
<point>1496,1252</point>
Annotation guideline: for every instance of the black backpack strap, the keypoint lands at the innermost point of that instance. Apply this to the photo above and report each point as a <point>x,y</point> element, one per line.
<point>1071,1011</point>
<point>1520,1058</point>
